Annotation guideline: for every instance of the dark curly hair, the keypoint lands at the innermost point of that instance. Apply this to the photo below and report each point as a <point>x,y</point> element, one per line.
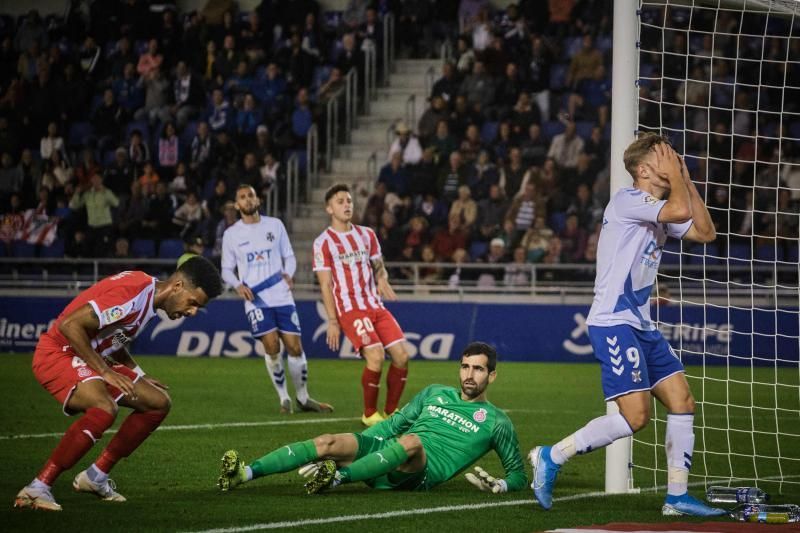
<point>202,273</point>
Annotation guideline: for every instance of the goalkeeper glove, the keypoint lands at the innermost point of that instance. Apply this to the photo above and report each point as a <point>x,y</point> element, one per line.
<point>308,471</point>
<point>484,481</point>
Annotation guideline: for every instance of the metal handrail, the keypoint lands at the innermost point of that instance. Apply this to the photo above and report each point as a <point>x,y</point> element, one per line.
<point>390,133</point>
<point>388,47</point>
<point>372,172</point>
<point>312,160</point>
<point>430,79</point>
<point>350,101</point>
<point>411,111</point>
<point>292,189</point>
<point>332,128</point>
<point>370,81</point>
<point>446,51</point>
<point>271,200</point>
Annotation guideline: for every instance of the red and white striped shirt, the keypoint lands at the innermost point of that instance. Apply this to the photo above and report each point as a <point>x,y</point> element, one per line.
<point>348,256</point>
<point>123,304</point>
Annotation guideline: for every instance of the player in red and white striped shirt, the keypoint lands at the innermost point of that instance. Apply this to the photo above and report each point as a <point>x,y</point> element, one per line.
<point>83,362</point>
<point>349,266</point>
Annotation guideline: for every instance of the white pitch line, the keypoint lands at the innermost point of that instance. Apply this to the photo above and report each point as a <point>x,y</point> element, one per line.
<point>189,427</point>
<point>432,510</point>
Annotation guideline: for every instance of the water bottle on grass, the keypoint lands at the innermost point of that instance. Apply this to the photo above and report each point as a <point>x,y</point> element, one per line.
<point>736,495</point>
<point>767,514</point>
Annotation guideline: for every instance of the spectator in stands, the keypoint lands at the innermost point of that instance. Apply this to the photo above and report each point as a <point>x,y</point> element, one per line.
<point>491,212</point>
<point>553,254</point>
<point>583,64</point>
<point>296,63</point>
<point>496,255</point>
<point>129,90</point>
<point>452,177</point>
<point>539,64</point>
<point>312,37</point>
<point>226,155</point>
<point>407,144</point>
<point>219,114</point>
<point>596,147</point>
<point>262,143</point>
<point>90,58</point>
<point>447,86</point>
<point>107,121</point>
<point>471,145</point>
<point>415,237</point>
<point>150,61</point>
<point>523,115</point>
<point>121,56</point>
<point>523,211</point>
<point>138,151</point>
<point>389,236</point>
<point>534,148</point>
<point>394,175</point>
<point>588,210</point>
<point>461,117</point>
<point>208,64</point>
<point>536,240</point>
<point>119,175</point>
<point>592,98</point>
<point>465,55</point>
<point>482,175</point>
<point>168,151</point>
<point>239,84</point>
<point>62,172</point>
<point>31,30</point>
<point>372,30</point>
<point>583,173</point>
<point>503,142</point>
<point>328,90</point>
<point>10,179</point>
<point>98,202</point>
<point>434,210</point>
<point>517,272</point>
<point>573,240</point>
<point>188,96</point>
<point>229,217</point>
<point>447,240</point>
<point>302,117</point>
<point>182,181</point>
<point>350,56</point>
<point>464,210</point>
<point>422,176</point>
<point>478,88</point>
<point>156,98</point>
<point>201,151</point>
<point>157,222</point>
<point>31,178</point>
<point>149,179</point>
<point>512,174</point>
<point>436,112</point>
<point>52,142</point>
<point>189,216</point>
<point>229,57</point>
<point>428,273</point>
<point>272,91</point>
<point>87,168</point>
<point>443,143</point>
<point>566,147</point>
<point>248,119</point>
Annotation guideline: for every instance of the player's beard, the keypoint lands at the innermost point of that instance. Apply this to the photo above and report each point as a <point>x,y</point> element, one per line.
<point>474,390</point>
<point>249,212</point>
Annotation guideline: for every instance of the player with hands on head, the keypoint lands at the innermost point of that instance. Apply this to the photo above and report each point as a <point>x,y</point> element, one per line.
<point>353,280</point>
<point>84,363</point>
<point>258,262</point>
<point>437,435</point>
<point>637,362</point>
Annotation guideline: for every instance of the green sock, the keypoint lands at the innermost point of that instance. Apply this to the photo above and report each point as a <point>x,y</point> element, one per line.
<point>285,458</point>
<point>374,464</point>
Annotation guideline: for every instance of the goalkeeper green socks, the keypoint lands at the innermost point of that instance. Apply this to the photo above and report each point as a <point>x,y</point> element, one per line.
<point>375,464</point>
<point>284,459</point>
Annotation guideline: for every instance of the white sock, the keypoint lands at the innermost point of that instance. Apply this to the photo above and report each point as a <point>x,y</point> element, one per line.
<point>278,375</point>
<point>96,475</point>
<point>680,446</point>
<point>38,484</point>
<point>298,368</point>
<point>248,473</point>
<point>598,433</point>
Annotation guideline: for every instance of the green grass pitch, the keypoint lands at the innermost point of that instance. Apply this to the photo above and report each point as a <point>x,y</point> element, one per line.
<point>221,404</point>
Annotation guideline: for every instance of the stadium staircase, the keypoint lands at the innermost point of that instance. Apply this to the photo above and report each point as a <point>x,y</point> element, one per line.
<point>369,140</point>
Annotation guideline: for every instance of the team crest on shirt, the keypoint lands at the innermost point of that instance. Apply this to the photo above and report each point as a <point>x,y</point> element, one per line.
<point>650,200</point>
<point>479,415</point>
<point>84,372</point>
<point>270,236</point>
<point>112,314</point>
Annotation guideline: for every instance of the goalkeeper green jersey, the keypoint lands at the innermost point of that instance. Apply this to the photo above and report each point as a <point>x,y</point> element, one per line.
<point>455,433</point>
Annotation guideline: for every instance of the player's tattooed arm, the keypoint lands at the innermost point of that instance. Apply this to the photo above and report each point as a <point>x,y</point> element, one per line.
<point>382,278</point>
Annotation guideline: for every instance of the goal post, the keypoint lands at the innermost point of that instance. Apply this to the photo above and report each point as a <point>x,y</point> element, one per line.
<point>721,79</point>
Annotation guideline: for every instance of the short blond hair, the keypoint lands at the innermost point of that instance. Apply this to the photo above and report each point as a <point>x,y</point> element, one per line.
<point>639,149</point>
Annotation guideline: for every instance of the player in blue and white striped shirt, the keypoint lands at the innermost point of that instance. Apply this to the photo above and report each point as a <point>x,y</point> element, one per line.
<point>637,362</point>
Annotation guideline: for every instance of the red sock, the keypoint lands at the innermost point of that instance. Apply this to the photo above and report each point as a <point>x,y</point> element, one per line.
<point>78,439</point>
<point>136,428</point>
<point>395,383</point>
<point>371,383</point>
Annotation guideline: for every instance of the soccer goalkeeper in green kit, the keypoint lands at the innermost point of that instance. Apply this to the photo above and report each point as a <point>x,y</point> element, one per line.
<point>437,435</point>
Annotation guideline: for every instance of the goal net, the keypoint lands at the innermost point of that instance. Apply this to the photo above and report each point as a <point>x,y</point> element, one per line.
<point>721,79</point>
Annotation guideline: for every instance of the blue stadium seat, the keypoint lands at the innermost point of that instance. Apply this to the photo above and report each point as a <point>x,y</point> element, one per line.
<point>187,135</point>
<point>740,251</point>
<point>143,248</point>
<point>170,249</point>
<point>56,249</point>
<point>489,131</point>
<point>138,125</point>
<point>558,220</point>
<point>477,249</point>
<point>551,128</point>
<point>79,133</point>
<point>558,76</point>
<point>571,46</point>
<point>584,129</point>
<point>23,249</point>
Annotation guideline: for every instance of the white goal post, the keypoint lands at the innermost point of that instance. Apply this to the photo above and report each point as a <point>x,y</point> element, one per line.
<point>721,79</point>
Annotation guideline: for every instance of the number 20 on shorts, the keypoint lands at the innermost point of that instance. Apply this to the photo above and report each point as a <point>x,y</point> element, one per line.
<point>363,326</point>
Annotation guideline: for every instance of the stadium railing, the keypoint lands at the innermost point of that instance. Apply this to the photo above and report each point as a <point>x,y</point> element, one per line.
<point>388,47</point>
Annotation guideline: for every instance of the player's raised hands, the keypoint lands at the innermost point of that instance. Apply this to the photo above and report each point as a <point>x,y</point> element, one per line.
<point>123,383</point>
<point>245,292</point>
<point>485,481</point>
<point>665,165</point>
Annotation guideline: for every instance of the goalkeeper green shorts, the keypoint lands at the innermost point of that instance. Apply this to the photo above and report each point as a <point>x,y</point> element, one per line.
<point>394,480</point>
